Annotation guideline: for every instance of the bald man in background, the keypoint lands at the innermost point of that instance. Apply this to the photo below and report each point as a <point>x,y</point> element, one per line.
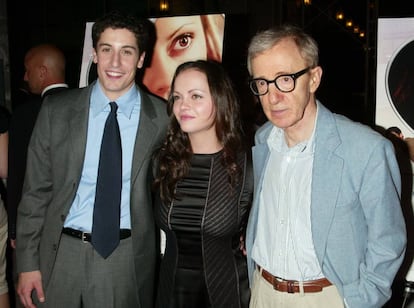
<point>45,69</point>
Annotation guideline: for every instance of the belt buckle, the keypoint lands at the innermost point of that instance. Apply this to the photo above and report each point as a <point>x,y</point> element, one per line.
<point>84,240</point>
<point>290,286</point>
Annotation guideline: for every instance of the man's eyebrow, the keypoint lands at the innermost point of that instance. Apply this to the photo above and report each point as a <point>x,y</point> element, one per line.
<point>129,46</point>
<point>109,45</point>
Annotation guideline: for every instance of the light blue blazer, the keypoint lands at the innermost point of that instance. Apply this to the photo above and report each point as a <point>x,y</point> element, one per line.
<point>358,228</point>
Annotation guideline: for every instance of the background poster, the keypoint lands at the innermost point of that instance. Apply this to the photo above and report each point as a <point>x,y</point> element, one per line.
<point>87,56</point>
<point>178,39</point>
<point>395,107</point>
<point>395,74</point>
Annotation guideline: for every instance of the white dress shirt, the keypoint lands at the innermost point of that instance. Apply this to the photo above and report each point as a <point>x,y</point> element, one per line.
<point>283,245</point>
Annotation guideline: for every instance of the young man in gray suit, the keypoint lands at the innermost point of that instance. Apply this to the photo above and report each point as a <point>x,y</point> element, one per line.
<point>58,260</point>
<point>326,228</point>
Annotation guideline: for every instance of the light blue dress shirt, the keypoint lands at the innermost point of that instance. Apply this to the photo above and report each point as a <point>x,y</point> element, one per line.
<point>129,106</point>
<point>283,245</point>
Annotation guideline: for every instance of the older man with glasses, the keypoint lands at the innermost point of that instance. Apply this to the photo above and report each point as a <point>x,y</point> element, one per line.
<point>326,227</point>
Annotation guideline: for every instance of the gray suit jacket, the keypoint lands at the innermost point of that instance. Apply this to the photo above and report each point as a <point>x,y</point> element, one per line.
<point>358,229</point>
<point>54,166</point>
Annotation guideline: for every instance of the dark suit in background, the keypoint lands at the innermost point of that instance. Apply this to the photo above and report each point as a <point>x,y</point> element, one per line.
<point>21,127</point>
<point>45,68</point>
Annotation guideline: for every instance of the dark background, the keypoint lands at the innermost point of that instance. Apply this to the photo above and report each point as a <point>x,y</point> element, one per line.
<point>349,62</point>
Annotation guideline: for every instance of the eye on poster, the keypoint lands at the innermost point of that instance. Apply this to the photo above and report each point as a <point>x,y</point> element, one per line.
<point>178,39</point>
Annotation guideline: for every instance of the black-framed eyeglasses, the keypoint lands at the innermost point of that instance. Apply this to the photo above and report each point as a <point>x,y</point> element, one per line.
<point>284,83</point>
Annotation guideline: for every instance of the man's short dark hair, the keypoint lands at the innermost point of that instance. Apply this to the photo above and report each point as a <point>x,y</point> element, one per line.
<point>118,20</point>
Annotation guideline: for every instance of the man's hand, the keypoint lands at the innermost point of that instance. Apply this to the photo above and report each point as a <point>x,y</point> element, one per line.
<point>29,281</point>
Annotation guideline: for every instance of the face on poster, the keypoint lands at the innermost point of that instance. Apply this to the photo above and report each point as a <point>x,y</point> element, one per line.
<point>395,74</point>
<point>178,39</point>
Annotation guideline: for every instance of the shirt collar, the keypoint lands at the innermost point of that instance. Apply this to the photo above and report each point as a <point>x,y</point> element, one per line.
<point>126,102</point>
<point>276,140</point>
<point>52,86</point>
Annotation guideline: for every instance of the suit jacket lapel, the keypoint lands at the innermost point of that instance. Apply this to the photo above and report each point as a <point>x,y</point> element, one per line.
<point>260,156</point>
<point>147,130</point>
<point>78,127</point>
<point>326,179</point>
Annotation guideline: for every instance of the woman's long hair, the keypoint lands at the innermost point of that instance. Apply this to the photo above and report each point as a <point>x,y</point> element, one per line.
<point>175,154</point>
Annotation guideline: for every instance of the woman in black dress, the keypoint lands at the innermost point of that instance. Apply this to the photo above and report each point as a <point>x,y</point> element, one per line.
<point>204,184</point>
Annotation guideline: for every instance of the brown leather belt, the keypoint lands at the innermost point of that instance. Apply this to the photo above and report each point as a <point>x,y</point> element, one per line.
<point>292,286</point>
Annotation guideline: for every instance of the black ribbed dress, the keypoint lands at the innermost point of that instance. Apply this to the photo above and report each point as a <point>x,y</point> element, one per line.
<point>202,265</point>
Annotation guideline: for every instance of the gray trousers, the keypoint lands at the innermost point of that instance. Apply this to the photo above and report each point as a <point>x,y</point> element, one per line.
<point>82,278</point>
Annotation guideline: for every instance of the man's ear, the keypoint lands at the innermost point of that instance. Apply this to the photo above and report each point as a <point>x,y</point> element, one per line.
<point>141,60</point>
<point>315,80</point>
<point>43,71</point>
<point>95,56</point>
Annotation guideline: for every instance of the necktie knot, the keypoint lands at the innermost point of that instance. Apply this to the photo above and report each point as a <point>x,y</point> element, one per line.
<point>114,107</point>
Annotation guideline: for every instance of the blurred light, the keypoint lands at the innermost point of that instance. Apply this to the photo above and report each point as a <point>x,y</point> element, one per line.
<point>340,15</point>
<point>307,2</point>
<point>164,6</point>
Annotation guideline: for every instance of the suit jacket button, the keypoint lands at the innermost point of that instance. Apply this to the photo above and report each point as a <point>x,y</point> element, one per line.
<point>55,247</point>
<point>62,217</point>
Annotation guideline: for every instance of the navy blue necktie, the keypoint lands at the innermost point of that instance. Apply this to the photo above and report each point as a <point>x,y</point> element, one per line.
<point>106,212</point>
